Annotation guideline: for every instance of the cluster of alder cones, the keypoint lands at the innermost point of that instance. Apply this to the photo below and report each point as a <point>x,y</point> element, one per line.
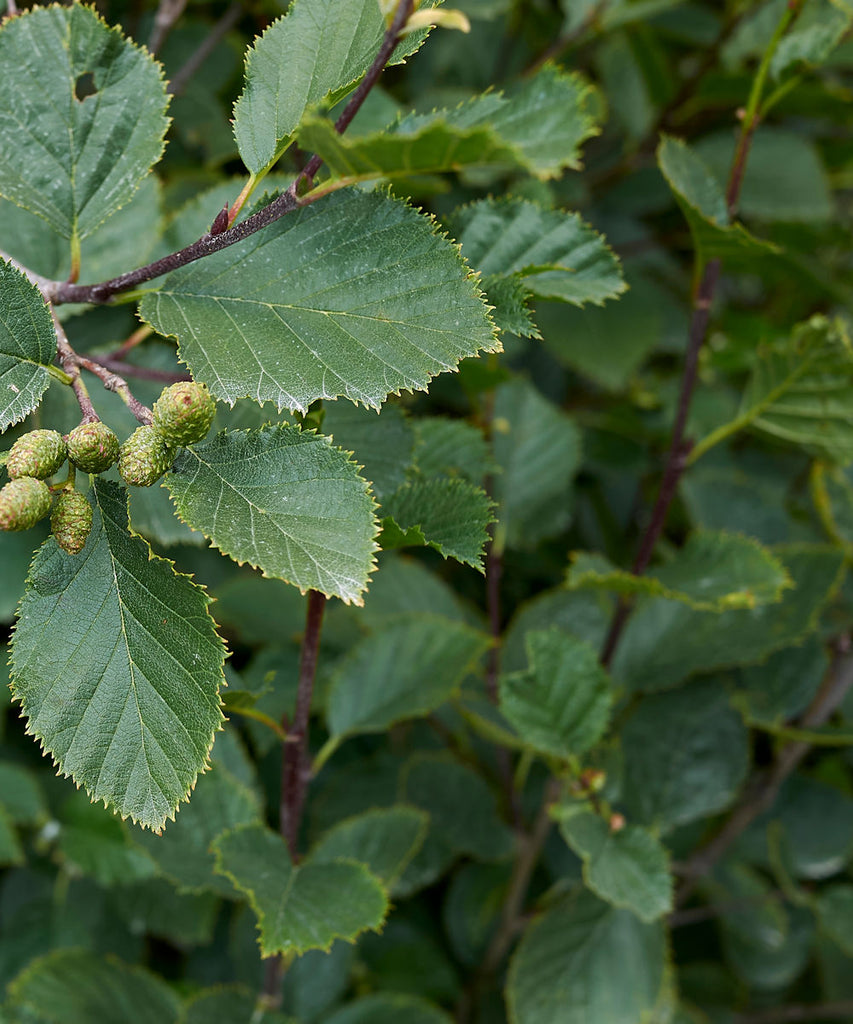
<point>182,415</point>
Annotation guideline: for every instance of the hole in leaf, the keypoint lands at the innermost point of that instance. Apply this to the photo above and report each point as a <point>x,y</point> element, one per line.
<point>85,86</point>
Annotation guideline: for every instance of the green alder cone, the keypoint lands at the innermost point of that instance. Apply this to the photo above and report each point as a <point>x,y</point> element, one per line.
<point>144,457</point>
<point>23,502</point>
<point>38,454</point>
<point>92,447</point>
<point>71,521</point>
<point>184,412</point>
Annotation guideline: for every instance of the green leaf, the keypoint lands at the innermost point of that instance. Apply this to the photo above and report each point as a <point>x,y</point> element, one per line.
<point>686,755</point>
<point>784,179</point>
<point>704,206</point>
<point>117,664</point>
<point>781,687</point>
<point>79,160</point>
<point>666,642</point>
<point>404,670</point>
<point>20,795</point>
<point>390,1008</point>
<point>384,840</point>
<point>800,390</point>
<point>451,516</point>
<point>230,1005</point>
<point>219,803</point>
<point>27,344</point>
<point>316,54</point>
<point>11,851</point>
<point>72,986</point>
<point>834,908</point>
<point>96,842</point>
<point>283,500</point>
<point>628,868</point>
<point>509,298</point>
<point>463,810</point>
<point>156,908</point>
<point>304,907</point>
<point>363,299</point>
<point>712,572</point>
<point>448,447</point>
<point>538,126</point>
<point>383,445</point>
<point>818,29</point>
<point>472,909</point>
<point>561,704</point>
<point>538,449</point>
<point>556,254</point>
<point>564,967</point>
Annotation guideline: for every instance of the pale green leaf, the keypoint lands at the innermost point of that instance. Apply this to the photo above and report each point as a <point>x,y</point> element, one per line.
<point>800,391</point>
<point>219,802</point>
<point>117,664</point>
<point>384,840</point>
<point>463,810</point>
<point>27,345</point>
<point>704,206</point>
<point>818,29</point>
<point>557,255</point>
<point>686,755</point>
<point>712,572</point>
<point>450,515</point>
<point>447,447</point>
<point>404,670</point>
<point>96,842</point>
<point>315,54</point>
<point>283,500</point>
<point>538,126</point>
<point>784,179</point>
<point>538,449</point>
<point>509,298</point>
<point>304,907</point>
<point>383,445</point>
<point>74,161</point>
<point>390,1008</point>
<point>628,868</point>
<point>564,968</point>
<point>231,1005</point>
<point>666,642</point>
<point>72,986</point>
<point>561,704</point>
<point>834,906</point>
<point>354,296</point>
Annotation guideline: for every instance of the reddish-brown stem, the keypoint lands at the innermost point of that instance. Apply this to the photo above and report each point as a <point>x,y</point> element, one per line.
<point>113,382</point>
<point>295,766</point>
<point>68,360</point>
<point>678,448</point>
<point>63,291</point>
<point>142,372</point>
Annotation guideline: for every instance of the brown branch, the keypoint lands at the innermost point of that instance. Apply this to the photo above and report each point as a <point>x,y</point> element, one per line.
<point>296,768</point>
<point>113,382</point>
<point>183,76</point>
<point>789,1014</point>
<point>68,361</point>
<point>762,789</point>
<point>168,12</point>
<point>142,372</point>
<point>63,291</point>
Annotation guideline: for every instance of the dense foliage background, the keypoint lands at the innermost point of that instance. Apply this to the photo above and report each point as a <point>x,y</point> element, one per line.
<point>664,837</point>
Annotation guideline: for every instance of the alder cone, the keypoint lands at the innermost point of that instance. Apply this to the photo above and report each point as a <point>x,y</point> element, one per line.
<point>184,412</point>
<point>23,502</point>
<point>38,454</point>
<point>144,457</point>
<point>92,447</point>
<point>71,521</point>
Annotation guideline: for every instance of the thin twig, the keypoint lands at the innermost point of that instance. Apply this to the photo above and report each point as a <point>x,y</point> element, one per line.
<point>296,767</point>
<point>68,361</point>
<point>762,789</point>
<point>114,382</point>
<point>63,291</point>
<point>142,372</point>
<point>222,27</point>
<point>168,12</point>
<point>563,42</point>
